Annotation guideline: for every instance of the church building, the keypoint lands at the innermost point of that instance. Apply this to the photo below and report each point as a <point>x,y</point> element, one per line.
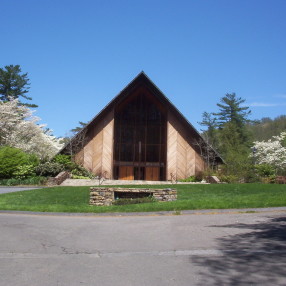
<point>140,135</point>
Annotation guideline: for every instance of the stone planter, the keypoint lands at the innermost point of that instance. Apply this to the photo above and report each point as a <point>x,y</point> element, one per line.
<point>104,196</point>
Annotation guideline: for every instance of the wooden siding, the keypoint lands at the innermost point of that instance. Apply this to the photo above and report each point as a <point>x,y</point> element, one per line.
<point>79,157</point>
<point>97,149</point>
<point>107,146</point>
<point>97,154</point>
<point>182,159</point>
<point>171,150</point>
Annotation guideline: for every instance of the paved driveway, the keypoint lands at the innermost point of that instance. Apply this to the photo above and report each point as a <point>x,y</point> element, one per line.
<point>203,249</point>
<point>4,190</point>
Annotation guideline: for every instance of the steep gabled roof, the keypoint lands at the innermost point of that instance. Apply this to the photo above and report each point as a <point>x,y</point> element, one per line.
<point>140,79</point>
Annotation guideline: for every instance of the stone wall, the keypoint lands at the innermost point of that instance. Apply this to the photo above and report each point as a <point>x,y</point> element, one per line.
<point>54,181</point>
<point>104,196</point>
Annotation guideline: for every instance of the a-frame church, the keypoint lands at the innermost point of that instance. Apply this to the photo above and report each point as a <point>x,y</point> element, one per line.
<point>139,135</point>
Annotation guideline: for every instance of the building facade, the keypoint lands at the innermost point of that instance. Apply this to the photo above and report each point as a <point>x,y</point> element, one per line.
<point>139,135</point>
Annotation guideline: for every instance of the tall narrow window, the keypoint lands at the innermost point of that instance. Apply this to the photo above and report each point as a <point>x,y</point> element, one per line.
<point>140,138</point>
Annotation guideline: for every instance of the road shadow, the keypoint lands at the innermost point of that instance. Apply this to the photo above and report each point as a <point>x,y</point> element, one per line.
<point>256,257</point>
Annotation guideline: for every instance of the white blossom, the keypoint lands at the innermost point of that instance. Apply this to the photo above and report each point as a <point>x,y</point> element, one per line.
<point>19,129</point>
<point>271,152</point>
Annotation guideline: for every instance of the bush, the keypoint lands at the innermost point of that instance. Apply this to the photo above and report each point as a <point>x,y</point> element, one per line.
<point>24,171</point>
<point>81,172</point>
<point>269,180</point>
<point>265,170</point>
<point>49,169</point>
<point>190,179</point>
<point>79,177</point>
<point>12,159</point>
<point>229,178</point>
<point>65,160</point>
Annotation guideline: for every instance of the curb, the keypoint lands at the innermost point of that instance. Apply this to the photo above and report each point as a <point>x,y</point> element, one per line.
<point>159,213</point>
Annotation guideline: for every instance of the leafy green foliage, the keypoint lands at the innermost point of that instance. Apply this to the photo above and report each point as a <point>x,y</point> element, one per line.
<point>265,170</point>
<point>77,171</point>
<point>14,84</point>
<point>78,128</point>
<point>11,160</point>
<point>191,179</point>
<point>232,111</point>
<point>65,160</point>
<point>230,137</point>
<point>229,179</point>
<point>266,127</point>
<point>49,169</point>
<point>81,171</point>
<point>79,177</point>
<point>24,171</point>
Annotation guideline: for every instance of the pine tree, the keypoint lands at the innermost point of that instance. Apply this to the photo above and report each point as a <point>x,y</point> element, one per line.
<point>232,114</point>
<point>232,111</point>
<point>14,84</point>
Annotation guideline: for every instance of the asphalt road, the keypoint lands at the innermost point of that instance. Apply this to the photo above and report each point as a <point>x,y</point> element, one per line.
<point>197,249</point>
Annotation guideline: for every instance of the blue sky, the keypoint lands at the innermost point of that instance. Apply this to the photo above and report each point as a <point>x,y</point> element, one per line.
<point>80,54</point>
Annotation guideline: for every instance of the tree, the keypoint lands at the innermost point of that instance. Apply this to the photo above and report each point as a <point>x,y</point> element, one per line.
<point>232,111</point>
<point>78,128</point>
<point>14,84</point>
<point>266,127</point>
<point>271,152</point>
<point>19,129</point>
<point>228,134</point>
<point>210,135</point>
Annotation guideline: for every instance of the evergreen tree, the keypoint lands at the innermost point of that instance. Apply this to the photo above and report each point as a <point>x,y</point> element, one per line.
<point>228,130</point>
<point>78,128</point>
<point>232,111</point>
<point>232,114</point>
<point>14,84</point>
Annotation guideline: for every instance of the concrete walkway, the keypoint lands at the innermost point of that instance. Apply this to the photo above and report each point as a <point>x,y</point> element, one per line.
<point>4,190</point>
<point>84,182</point>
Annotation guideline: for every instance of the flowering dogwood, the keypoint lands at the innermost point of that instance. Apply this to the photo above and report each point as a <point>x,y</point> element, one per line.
<point>271,152</point>
<point>19,129</point>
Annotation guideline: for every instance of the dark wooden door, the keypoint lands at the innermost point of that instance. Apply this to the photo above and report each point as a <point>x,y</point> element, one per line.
<point>126,173</point>
<point>152,174</point>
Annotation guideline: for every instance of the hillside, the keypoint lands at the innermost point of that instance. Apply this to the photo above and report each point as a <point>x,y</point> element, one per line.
<point>266,127</point>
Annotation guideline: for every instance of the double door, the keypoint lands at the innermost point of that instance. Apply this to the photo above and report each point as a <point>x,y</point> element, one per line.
<point>139,173</point>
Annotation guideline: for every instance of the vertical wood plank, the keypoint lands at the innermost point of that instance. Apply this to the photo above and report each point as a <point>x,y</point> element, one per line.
<point>107,147</point>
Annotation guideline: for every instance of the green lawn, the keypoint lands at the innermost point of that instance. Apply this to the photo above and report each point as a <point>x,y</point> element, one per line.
<point>190,197</point>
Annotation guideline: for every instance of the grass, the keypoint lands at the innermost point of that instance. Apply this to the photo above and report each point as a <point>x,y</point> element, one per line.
<point>190,197</point>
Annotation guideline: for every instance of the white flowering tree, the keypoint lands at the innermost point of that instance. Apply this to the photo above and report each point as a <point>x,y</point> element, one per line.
<point>19,129</point>
<point>271,152</point>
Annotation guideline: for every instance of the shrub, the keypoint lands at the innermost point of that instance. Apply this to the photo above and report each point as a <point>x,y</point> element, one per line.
<point>24,171</point>
<point>269,180</point>
<point>79,177</point>
<point>49,169</point>
<point>265,170</point>
<point>65,160</point>
<point>11,160</point>
<point>229,178</point>
<point>82,172</point>
<point>190,179</point>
